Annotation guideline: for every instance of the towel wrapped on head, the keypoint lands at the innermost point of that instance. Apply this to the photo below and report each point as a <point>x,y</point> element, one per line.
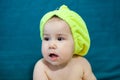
<point>77,25</point>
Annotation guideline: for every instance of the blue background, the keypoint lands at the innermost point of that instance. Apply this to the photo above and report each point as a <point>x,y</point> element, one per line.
<point>20,45</point>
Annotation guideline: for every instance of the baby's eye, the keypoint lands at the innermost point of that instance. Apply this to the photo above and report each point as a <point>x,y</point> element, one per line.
<point>46,38</point>
<point>60,38</point>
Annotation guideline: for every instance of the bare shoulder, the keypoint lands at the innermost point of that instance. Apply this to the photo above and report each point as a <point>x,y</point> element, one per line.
<point>39,63</point>
<point>83,61</point>
<point>86,67</point>
<point>39,66</point>
<point>39,71</point>
<point>84,64</point>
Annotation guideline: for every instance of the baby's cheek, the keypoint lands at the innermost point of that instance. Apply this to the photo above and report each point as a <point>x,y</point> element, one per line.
<point>43,49</point>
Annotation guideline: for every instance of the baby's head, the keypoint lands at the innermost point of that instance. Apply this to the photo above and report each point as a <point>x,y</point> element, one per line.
<point>77,25</point>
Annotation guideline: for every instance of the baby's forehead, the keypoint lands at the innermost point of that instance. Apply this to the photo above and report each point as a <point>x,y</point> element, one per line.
<point>57,32</point>
<point>56,25</point>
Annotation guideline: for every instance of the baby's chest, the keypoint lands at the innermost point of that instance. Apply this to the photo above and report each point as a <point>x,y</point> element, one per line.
<point>65,75</point>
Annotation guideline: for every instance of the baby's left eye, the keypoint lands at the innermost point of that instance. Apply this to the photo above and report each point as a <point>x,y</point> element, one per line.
<point>60,38</point>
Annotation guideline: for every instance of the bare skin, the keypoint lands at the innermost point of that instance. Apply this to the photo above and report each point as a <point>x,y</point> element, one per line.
<point>58,61</point>
<point>77,69</point>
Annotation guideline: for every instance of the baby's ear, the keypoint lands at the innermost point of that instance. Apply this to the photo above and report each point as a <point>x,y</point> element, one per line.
<point>75,55</point>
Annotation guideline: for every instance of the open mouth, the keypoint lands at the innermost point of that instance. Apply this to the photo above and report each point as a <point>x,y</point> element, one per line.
<point>53,56</point>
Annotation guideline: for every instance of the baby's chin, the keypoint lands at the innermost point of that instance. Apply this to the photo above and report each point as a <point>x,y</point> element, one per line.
<point>55,64</point>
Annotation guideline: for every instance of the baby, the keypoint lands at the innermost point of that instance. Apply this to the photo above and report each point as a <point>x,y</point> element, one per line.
<point>65,40</point>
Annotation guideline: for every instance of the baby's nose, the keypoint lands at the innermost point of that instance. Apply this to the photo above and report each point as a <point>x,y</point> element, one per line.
<point>52,46</point>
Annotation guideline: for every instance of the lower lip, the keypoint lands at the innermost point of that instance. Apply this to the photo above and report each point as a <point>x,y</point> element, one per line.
<point>53,58</point>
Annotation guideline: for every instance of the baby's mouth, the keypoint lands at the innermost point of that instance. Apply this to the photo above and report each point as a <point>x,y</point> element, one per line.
<point>53,56</point>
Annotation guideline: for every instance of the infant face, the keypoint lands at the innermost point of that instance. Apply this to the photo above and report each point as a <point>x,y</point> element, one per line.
<point>57,43</point>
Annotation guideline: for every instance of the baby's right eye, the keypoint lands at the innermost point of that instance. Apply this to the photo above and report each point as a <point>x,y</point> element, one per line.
<point>46,38</point>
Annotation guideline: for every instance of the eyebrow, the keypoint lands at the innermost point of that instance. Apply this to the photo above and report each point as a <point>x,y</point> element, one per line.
<point>62,35</point>
<point>46,34</point>
<point>57,34</point>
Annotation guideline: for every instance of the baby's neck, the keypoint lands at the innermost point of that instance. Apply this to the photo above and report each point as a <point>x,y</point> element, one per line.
<point>55,67</point>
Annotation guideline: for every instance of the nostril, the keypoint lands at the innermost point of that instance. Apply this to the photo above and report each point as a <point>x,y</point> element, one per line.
<point>52,46</point>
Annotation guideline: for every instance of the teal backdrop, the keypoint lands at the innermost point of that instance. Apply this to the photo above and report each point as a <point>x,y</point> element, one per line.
<point>20,44</point>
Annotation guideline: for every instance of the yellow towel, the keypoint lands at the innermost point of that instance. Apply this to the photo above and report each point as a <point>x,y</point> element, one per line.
<point>78,27</point>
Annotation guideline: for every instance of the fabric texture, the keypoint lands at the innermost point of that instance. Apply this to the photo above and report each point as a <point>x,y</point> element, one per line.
<point>77,26</point>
